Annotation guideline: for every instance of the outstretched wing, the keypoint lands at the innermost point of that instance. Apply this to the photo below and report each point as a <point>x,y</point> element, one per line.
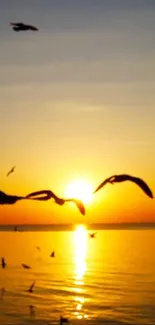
<point>17,24</point>
<point>31,286</point>
<point>79,204</point>
<point>32,27</point>
<point>47,195</point>
<point>9,199</point>
<point>107,180</point>
<point>141,184</point>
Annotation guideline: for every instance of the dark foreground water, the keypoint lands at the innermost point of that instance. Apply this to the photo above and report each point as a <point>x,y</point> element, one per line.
<point>109,279</point>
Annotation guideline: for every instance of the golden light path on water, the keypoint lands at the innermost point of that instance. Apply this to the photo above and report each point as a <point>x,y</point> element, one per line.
<point>80,248</point>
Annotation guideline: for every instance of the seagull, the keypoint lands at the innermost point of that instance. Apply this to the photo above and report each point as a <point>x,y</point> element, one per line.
<point>52,254</point>
<point>63,320</point>
<point>17,27</point>
<point>2,293</point>
<point>31,287</point>
<point>92,235</point>
<point>26,266</point>
<point>3,263</point>
<point>11,171</point>
<point>124,177</point>
<point>60,201</point>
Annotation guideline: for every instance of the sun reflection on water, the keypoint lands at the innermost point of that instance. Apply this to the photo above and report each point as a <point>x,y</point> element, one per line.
<point>80,246</point>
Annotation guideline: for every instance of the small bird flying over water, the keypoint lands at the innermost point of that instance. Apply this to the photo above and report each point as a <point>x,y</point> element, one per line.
<point>3,263</point>
<point>26,266</point>
<point>18,27</point>
<point>124,177</point>
<point>92,235</point>
<point>11,171</point>
<point>52,254</point>
<point>31,287</point>
<point>60,201</point>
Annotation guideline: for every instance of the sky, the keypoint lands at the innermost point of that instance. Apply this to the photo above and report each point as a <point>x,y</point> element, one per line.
<point>77,102</point>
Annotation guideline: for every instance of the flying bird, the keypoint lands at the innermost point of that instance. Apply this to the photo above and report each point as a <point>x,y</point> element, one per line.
<point>92,235</point>
<point>3,263</point>
<point>123,177</point>
<point>11,171</point>
<point>11,199</point>
<point>38,248</point>
<point>31,287</point>
<point>26,266</point>
<point>60,201</point>
<point>18,27</point>
<point>52,254</point>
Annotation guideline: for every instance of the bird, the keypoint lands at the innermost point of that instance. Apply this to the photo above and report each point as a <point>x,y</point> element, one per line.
<point>92,235</point>
<point>25,266</point>
<point>38,248</point>
<point>2,293</point>
<point>11,171</point>
<point>31,287</point>
<point>3,263</point>
<point>124,177</point>
<point>52,254</point>
<point>60,201</point>
<point>63,320</point>
<point>17,27</point>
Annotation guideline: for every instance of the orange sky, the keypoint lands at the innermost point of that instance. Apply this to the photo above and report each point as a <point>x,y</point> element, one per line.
<point>77,102</point>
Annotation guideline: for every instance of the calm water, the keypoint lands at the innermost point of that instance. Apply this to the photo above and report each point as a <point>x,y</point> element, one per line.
<point>106,280</point>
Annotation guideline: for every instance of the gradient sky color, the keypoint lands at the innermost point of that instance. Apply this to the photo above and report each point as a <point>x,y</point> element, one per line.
<point>77,101</point>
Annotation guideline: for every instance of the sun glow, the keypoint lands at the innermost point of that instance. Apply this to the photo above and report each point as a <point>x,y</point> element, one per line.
<point>81,190</point>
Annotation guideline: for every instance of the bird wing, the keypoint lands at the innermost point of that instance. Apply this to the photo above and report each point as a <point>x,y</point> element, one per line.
<point>141,184</point>
<point>79,204</point>
<point>17,24</point>
<point>32,27</point>
<point>48,195</point>
<point>107,180</point>
<point>32,285</point>
<point>26,266</point>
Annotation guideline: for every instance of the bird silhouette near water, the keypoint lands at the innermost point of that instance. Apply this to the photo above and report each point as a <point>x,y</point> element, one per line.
<point>31,287</point>
<point>60,201</point>
<point>18,27</point>
<point>25,266</point>
<point>124,177</point>
<point>92,235</point>
<point>11,171</point>
<point>52,254</point>
<point>63,320</point>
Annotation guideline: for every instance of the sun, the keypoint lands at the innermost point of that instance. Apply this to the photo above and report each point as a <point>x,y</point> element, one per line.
<point>80,189</point>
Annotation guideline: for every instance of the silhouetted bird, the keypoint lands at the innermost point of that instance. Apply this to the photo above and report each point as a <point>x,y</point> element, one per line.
<point>92,235</point>
<point>31,287</point>
<point>38,248</point>
<point>58,200</point>
<point>52,254</point>
<point>3,263</point>
<point>11,171</point>
<point>63,320</point>
<point>121,178</point>
<point>17,27</point>
<point>26,266</point>
<point>2,293</point>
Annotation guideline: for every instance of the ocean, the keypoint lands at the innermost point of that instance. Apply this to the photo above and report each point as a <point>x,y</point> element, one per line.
<point>108,279</point>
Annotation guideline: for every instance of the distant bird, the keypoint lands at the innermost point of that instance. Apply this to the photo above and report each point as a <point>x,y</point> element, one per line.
<point>11,171</point>
<point>92,235</point>
<point>123,177</point>
<point>2,293</point>
<point>58,200</point>
<point>15,228</point>
<point>63,320</point>
<point>31,287</point>
<point>38,248</point>
<point>3,263</point>
<point>26,266</point>
<point>52,254</point>
<point>18,27</point>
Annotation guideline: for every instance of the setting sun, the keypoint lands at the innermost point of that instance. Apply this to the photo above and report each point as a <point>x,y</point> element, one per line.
<point>80,189</point>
